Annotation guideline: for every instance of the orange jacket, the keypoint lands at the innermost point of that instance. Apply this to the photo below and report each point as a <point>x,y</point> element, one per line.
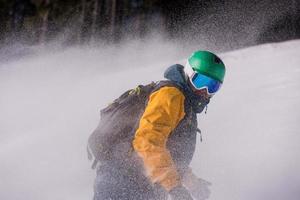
<point>163,113</point>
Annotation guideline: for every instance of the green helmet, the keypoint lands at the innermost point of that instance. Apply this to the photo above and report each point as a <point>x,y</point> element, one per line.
<point>206,63</point>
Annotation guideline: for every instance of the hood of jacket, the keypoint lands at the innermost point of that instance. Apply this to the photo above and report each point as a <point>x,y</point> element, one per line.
<point>176,74</point>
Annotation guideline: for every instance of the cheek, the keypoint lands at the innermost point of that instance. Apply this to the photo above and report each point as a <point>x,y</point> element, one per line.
<point>203,93</point>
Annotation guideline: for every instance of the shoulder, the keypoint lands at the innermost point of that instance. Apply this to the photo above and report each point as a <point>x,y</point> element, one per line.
<point>168,93</point>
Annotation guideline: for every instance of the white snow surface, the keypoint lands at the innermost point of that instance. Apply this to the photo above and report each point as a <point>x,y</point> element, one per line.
<point>50,104</point>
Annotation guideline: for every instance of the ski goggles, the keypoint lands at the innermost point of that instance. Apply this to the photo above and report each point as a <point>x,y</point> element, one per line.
<point>200,81</point>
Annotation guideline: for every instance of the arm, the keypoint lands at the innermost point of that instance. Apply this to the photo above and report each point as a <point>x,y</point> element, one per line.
<point>164,111</point>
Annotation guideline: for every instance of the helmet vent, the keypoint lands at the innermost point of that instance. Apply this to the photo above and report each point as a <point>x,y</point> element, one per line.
<point>217,60</point>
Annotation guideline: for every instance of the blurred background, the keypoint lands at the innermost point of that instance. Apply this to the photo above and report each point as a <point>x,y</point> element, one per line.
<point>62,61</point>
<point>219,25</point>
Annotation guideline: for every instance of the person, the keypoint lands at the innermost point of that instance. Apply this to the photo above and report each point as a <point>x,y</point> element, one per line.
<point>153,162</point>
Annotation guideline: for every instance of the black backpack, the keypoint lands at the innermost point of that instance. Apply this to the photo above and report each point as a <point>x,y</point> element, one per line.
<point>118,123</point>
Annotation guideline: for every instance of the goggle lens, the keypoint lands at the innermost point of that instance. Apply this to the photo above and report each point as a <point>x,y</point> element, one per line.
<point>201,81</point>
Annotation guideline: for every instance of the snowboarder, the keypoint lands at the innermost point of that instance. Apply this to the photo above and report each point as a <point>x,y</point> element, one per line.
<point>150,159</point>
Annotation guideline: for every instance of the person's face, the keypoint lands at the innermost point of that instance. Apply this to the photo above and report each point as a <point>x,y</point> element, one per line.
<point>201,93</point>
<point>204,86</point>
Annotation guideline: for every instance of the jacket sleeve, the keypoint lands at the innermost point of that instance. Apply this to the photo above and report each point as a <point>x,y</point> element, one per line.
<point>164,111</point>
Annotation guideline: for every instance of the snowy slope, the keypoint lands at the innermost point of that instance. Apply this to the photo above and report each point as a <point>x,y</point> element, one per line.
<point>49,105</point>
